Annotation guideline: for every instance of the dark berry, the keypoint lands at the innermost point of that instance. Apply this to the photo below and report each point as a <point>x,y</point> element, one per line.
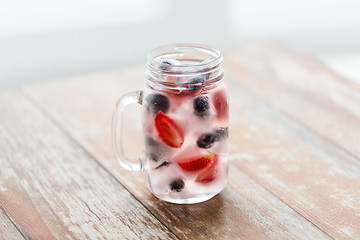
<point>177,185</point>
<point>201,105</point>
<point>196,80</point>
<point>152,147</point>
<point>162,164</point>
<point>153,157</point>
<point>206,140</point>
<point>157,102</point>
<point>166,65</point>
<point>150,142</point>
<point>222,133</point>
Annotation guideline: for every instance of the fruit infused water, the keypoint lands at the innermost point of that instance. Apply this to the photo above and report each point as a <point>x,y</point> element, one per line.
<point>185,123</point>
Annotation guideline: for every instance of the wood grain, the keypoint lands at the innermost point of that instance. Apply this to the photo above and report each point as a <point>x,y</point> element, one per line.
<point>7,229</point>
<point>244,210</point>
<point>53,189</point>
<point>316,179</point>
<point>303,88</point>
<point>320,112</point>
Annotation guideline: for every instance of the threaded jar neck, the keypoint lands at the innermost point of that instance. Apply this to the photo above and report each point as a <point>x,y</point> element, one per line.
<point>184,66</point>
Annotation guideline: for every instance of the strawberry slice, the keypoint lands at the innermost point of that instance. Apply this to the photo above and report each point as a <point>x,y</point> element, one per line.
<point>209,174</point>
<point>169,132</point>
<point>196,163</point>
<point>220,103</point>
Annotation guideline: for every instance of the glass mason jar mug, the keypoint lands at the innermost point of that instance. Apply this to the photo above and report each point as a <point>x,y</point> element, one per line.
<point>185,124</point>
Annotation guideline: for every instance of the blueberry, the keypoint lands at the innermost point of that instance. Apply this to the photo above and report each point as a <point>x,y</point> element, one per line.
<point>177,185</point>
<point>166,61</point>
<point>166,65</point>
<point>222,133</point>
<point>206,140</point>
<point>150,142</point>
<point>153,157</point>
<point>201,105</point>
<point>162,164</point>
<point>196,80</point>
<point>157,102</point>
<point>152,148</point>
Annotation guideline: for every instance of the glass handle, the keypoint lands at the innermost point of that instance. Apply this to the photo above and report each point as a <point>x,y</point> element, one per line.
<point>132,164</point>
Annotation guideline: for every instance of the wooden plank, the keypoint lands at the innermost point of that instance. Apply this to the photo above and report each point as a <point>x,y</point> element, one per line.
<point>303,169</point>
<point>52,189</point>
<point>303,88</point>
<point>316,179</point>
<point>243,210</point>
<point>7,229</point>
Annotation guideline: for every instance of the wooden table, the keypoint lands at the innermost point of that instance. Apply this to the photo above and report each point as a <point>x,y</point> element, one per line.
<point>294,164</point>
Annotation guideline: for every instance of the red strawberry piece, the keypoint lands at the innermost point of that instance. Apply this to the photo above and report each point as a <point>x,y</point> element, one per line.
<point>196,163</point>
<point>209,174</point>
<point>169,132</point>
<point>221,105</point>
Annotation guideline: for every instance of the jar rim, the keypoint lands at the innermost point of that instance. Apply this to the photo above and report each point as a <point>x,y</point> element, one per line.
<point>202,57</point>
<point>180,65</point>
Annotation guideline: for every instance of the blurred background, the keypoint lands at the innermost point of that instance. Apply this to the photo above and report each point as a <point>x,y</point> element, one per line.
<point>43,40</point>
